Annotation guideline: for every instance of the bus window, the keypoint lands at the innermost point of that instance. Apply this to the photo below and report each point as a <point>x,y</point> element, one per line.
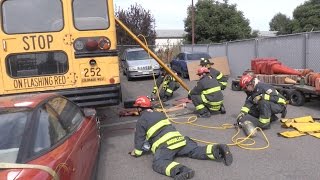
<point>26,16</point>
<point>36,64</point>
<point>90,15</point>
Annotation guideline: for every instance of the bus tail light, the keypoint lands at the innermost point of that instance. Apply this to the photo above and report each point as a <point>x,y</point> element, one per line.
<point>91,45</point>
<point>104,43</point>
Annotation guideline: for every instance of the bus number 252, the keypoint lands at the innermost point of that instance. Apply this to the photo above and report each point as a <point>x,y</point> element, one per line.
<point>92,72</point>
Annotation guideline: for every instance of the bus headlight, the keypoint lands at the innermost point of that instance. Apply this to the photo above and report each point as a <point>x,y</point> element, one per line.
<point>78,45</point>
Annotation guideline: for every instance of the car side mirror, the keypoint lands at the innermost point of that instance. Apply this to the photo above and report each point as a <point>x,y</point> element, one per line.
<point>88,112</point>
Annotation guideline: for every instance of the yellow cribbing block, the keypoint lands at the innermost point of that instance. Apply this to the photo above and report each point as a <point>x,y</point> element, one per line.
<point>317,135</point>
<point>292,134</point>
<point>304,119</point>
<point>307,127</point>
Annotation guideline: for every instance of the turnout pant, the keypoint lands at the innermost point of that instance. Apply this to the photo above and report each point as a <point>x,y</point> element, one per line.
<point>204,107</point>
<point>164,163</point>
<point>265,112</point>
<point>168,90</point>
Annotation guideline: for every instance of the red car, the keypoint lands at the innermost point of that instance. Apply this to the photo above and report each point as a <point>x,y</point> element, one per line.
<point>46,136</point>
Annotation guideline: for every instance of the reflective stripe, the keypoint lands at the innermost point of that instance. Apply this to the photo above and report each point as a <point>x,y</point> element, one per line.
<point>215,108</point>
<point>245,109</point>
<point>224,83</point>
<point>220,76</point>
<point>163,139</point>
<point>266,97</point>
<point>211,90</point>
<point>200,106</point>
<point>209,151</point>
<point>138,152</point>
<point>169,91</point>
<point>282,101</point>
<point>170,166</point>
<point>156,127</point>
<point>204,99</point>
<point>264,121</point>
<point>177,145</point>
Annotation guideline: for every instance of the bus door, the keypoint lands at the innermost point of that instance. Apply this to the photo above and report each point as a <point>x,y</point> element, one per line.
<point>94,45</point>
<point>36,46</point>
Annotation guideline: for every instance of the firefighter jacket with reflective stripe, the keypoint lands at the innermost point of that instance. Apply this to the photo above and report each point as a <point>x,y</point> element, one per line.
<point>165,80</point>
<point>219,76</point>
<point>266,92</point>
<point>158,131</point>
<point>209,88</point>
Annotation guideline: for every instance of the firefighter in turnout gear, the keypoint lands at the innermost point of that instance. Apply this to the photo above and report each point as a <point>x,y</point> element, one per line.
<point>206,95</point>
<point>263,103</point>
<point>154,130</point>
<point>167,85</point>
<point>223,80</point>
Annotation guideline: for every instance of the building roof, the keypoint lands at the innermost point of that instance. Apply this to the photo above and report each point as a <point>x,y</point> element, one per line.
<point>267,33</point>
<point>170,33</point>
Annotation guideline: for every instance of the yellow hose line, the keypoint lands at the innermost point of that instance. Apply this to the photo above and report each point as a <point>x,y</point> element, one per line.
<point>30,166</point>
<point>241,142</point>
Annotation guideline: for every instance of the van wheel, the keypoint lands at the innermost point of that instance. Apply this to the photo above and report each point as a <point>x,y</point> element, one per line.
<point>297,98</point>
<point>235,86</point>
<point>128,77</point>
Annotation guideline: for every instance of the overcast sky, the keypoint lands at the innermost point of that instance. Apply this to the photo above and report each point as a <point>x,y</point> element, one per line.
<point>169,14</point>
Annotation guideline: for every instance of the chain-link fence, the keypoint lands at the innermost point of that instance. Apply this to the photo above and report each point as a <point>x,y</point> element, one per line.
<point>298,51</point>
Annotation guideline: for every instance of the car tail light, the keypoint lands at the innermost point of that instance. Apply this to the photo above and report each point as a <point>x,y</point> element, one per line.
<point>91,45</point>
<point>104,43</point>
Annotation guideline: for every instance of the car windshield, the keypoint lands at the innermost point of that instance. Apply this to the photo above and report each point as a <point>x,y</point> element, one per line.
<point>197,56</point>
<point>12,125</point>
<point>137,55</point>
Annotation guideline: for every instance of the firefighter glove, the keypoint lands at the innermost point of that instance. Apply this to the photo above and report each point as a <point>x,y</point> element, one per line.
<point>240,116</point>
<point>189,96</point>
<point>257,99</point>
<point>132,153</point>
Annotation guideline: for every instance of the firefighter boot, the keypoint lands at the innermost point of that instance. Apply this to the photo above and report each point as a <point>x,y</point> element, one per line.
<point>223,154</point>
<point>184,173</point>
<point>222,109</point>
<point>284,112</point>
<point>204,115</point>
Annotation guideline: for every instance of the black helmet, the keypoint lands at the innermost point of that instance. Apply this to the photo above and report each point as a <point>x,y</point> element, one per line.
<point>205,61</point>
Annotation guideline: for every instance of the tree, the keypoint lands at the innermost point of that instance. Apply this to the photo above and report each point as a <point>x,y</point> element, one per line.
<point>216,22</point>
<point>139,21</point>
<point>281,23</point>
<point>307,17</point>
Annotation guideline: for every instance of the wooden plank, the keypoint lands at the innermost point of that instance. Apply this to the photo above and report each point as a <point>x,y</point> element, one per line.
<point>220,63</point>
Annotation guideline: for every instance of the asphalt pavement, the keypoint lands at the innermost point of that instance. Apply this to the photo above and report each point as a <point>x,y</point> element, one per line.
<point>295,158</point>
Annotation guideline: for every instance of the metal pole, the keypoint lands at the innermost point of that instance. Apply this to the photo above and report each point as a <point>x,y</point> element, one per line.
<point>192,17</point>
<point>151,53</point>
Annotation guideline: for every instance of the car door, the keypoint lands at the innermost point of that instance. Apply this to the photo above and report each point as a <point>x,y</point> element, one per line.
<point>84,135</point>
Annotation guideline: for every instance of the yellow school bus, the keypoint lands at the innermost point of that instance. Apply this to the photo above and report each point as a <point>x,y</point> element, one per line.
<point>63,46</point>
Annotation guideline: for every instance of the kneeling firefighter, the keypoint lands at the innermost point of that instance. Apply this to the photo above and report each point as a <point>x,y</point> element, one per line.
<point>261,105</point>
<point>153,129</point>
<point>206,95</point>
<point>167,85</point>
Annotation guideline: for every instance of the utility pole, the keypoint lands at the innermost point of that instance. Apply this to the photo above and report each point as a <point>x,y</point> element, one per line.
<point>192,19</point>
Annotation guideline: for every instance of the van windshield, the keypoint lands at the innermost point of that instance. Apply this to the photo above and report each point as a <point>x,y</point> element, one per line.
<point>137,55</point>
<point>198,56</point>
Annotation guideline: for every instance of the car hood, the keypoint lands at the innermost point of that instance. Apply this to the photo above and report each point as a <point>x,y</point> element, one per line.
<point>145,62</point>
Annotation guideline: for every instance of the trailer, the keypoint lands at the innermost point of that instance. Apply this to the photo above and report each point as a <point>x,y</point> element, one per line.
<point>297,94</point>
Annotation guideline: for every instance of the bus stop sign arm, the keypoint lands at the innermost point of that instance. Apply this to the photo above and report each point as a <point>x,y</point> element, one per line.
<point>152,54</point>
